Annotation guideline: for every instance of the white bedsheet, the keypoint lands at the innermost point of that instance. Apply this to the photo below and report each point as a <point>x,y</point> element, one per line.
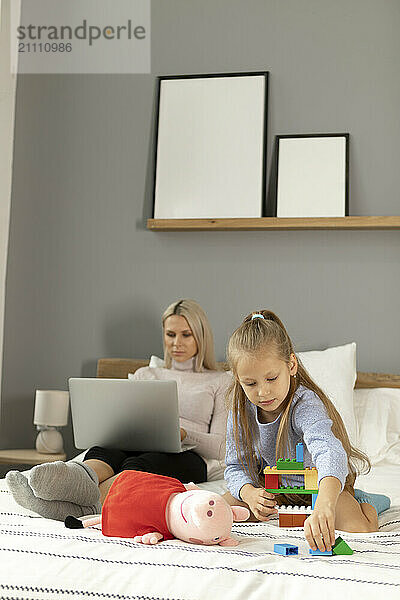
<point>40,558</point>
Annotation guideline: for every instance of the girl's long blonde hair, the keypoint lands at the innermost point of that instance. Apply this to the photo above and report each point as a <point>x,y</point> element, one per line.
<point>252,338</point>
<point>200,326</point>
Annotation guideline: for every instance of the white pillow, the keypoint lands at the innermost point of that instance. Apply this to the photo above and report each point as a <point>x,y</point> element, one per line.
<point>378,417</point>
<point>334,371</point>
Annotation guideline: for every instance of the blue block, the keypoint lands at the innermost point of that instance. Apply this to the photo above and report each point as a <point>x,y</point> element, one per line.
<point>313,500</point>
<point>286,549</point>
<point>299,452</point>
<point>319,553</point>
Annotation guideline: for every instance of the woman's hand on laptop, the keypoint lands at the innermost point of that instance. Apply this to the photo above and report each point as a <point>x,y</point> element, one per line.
<point>183,434</point>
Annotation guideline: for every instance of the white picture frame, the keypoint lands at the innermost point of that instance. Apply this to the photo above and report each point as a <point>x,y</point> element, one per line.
<point>210,157</point>
<point>312,175</point>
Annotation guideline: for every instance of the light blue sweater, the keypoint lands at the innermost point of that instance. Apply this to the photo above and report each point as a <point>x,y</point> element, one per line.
<point>308,423</point>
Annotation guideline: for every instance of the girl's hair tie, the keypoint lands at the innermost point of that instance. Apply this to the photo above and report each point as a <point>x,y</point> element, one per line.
<point>257,316</point>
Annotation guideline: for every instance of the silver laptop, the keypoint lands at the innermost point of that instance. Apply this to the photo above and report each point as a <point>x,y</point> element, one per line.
<point>125,415</point>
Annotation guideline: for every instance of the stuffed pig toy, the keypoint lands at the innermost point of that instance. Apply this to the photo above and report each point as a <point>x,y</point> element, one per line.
<point>150,508</point>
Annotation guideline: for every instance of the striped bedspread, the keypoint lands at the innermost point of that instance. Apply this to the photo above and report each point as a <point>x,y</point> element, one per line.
<point>40,558</point>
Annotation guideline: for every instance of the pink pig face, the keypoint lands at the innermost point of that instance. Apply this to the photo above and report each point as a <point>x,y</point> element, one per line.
<point>201,517</point>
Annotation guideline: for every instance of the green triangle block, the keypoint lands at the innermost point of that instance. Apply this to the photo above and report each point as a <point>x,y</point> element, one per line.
<point>341,547</point>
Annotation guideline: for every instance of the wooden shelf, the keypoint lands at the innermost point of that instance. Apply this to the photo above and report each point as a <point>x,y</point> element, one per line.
<point>273,223</point>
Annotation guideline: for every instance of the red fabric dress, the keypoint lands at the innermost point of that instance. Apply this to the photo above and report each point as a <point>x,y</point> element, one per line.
<point>136,503</point>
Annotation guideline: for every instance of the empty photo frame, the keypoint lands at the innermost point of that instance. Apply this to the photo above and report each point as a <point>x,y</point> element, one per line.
<point>312,175</point>
<point>210,157</point>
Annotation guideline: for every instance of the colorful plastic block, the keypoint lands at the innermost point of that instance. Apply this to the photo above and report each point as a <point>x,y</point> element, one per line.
<point>299,452</point>
<point>270,470</point>
<point>271,481</point>
<point>319,553</point>
<point>283,464</point>
<point>274,471</point>
<point>298,520</point>
<point>293,516</point>
<point>285,520</point>
<point>340,548</point>
<point>286,549</point>
<point>311,478</point>
<point>301,509</point>
<point>313,500</point>
<point>290,471</point>
<point>291,490</point>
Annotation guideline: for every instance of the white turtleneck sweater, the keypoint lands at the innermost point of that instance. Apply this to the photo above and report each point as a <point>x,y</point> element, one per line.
<point>201,397</point>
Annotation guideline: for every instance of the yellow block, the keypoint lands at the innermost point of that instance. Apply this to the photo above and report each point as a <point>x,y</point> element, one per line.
<point>311,479</point>
<point>310,474</point>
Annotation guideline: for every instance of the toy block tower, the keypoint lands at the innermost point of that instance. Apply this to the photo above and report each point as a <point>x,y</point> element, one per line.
<point>273,483</point>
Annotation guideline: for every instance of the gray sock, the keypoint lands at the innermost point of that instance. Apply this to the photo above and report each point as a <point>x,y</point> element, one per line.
<point>51,509</point>
<point>72,481</point>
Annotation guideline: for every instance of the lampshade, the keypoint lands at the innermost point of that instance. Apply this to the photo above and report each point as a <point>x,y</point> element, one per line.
<point>51,408</point>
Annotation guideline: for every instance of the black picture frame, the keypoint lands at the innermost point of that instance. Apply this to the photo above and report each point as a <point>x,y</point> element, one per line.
<point>330,187</point>
<point>168,178</point>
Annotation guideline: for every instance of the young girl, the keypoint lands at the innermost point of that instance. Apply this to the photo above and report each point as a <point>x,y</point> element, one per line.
<point>274,404</point>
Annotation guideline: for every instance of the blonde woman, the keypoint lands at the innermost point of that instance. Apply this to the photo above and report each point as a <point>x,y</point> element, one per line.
<point>76,488</point>
<point>274,404</point>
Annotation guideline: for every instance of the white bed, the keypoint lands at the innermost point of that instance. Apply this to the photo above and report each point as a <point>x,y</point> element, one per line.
<point>40,558</point>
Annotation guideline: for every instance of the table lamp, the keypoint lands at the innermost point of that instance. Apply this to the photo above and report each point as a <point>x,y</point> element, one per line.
<point>51,411</point>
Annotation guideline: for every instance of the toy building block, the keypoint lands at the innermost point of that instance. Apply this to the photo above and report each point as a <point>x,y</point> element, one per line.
<point>283,464</point>
<point>299,452</point>
<point>313,500</point>
<point>294,510</point>
<point>291,490</point>
<point>298,520</point>
<point>319,553</point>
<point>271,481</point>
<point>292,471</point>
<point>293,516</point>
<point>340,548</point>
<point>285,520</point>
<point>311,478</point>
<point>286,549</point>
<point>269,470</point>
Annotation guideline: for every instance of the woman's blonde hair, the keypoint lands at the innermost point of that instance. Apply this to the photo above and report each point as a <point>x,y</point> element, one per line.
<point>253,337</point>
<point>200,326</point>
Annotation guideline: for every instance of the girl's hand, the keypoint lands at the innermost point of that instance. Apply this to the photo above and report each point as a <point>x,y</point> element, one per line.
<point>261,503</point>
<point>319,528</point>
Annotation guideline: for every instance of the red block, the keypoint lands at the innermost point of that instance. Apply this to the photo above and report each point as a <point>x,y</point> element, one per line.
<point>272,482</point>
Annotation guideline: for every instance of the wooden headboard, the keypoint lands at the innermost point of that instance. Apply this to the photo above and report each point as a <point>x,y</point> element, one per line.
<point>118,368</point>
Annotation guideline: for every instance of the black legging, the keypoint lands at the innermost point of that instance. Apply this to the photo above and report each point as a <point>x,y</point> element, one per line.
<point>185,466</point>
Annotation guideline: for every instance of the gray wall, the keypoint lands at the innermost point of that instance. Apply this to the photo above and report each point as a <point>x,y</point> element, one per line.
<point>85,277</point>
